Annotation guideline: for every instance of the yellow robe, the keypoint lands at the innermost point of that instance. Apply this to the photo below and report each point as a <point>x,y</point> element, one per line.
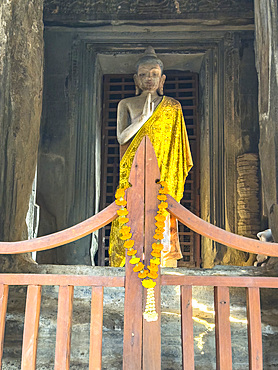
<point>166,130</point>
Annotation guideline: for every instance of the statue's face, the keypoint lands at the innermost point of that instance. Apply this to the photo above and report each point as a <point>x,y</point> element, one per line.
<point>149,77</point>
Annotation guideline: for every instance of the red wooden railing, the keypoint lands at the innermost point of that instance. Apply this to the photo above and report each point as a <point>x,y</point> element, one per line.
<point>142,340</point>
<point>66,285</point>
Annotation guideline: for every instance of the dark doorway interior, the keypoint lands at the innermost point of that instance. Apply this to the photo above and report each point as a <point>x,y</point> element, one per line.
<point>183,86</point>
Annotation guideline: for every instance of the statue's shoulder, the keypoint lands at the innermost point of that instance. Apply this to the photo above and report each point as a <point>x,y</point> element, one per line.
<point>172,102</point>
<point>128,100</point>
<point>127,103</point>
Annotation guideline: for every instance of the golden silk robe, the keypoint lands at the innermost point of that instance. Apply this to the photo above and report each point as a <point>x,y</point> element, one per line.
<point>166,130</point>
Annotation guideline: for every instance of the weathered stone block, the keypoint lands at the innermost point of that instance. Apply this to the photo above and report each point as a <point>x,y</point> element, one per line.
<point>21,65</point>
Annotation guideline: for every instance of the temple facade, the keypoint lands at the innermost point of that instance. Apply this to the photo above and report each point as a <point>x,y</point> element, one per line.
<point>64,66</point>
<point>78,61</point>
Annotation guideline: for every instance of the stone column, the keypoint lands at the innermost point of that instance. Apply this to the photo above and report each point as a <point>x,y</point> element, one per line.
<point>248,200</point>
<point>229,128</point>
<point>21,65</point>
<point>266,45</point>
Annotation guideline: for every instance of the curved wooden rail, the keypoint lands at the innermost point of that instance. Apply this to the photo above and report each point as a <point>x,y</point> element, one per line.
<point>219,235</point>
<point>62,237</point>
<point>110,213</point>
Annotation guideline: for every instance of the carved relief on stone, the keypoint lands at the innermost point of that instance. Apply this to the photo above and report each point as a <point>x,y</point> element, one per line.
<point>174,6</point>
<point>263,46</point>
<point>137,9</point>
<point>248,188</point>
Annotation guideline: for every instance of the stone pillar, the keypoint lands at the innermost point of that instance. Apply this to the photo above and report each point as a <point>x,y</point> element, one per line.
<point>248,200</point>
<point>229,128</point>
<point>21,65</point>
<point>266,47</point>
<point>69,151</point>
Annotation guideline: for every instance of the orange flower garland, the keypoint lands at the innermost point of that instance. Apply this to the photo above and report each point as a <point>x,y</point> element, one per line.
<point>150,274</point>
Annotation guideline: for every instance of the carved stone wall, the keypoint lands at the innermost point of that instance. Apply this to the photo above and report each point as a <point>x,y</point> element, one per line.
<point>222,30</point>
<point>91,10</point>
<point>21,64</point>
<point>71,101</point>
<point>241,132</point>
<point>248,202</point>
<point>266,21</point>
<point>67,163</point>
<point>229,128</point>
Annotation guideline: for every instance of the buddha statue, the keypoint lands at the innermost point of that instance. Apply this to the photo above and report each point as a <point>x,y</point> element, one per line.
<point>160,117</point>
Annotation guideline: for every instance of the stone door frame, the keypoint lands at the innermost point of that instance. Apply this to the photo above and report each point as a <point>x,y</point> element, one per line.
<point>219,119</point>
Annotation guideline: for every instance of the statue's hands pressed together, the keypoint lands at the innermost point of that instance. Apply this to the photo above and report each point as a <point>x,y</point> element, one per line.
<point>127,125</point>
<point>129,121</point>
<point>135,111</point>
<point>148,108</point>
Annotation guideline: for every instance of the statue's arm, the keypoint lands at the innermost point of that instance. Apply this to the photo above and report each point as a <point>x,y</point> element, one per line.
<point>126,128</point>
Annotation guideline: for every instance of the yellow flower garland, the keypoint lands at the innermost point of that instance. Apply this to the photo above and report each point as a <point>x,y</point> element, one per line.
<point>150,274</point>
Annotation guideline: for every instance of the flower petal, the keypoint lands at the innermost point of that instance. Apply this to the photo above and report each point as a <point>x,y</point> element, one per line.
<point>163,205</point>
<point>120,202</point>
<point>158,236</point>
<point>148,283</point>
<point>143,275</point>
<point>155,260</point>
<point>155,254</point>
<point>126,236</point>
<point>157,246</point>
<point>122,212</point>
<point>129,244</point>
<point>152,275</point>
<point>160,224</point>
<point>162,197</point>
<point>153,267</point>
<point>125,229</point>
<point>134,261</point>
<point>123,220</point>
<point>132,252</point>
<point>159,217</point>
<point>139,267</point>
<point>120,193</point>
<point>159,230</point>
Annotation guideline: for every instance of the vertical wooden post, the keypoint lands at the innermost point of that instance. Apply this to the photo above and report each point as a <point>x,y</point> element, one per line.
<point>96,328</point>
<point>31,327</point>
<point>255,346</point>
<point>151,330</point>
<point>63,334</point>
<point>4,290</point>
<point>222,328</point>
<point>132,353</point>
<point>187,328</point>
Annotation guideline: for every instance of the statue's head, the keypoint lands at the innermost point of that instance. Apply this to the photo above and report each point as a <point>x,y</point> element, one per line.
<point>149,76</point>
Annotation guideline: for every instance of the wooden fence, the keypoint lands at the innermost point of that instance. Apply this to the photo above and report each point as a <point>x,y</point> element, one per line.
<point>142,340</point>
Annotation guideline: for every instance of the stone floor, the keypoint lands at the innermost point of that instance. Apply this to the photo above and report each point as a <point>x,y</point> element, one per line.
<point>203,317</point>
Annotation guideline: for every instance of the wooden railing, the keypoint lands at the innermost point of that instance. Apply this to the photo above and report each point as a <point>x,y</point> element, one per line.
<point>221,286</point>
<point>142,340</point>
<point>66,285</point>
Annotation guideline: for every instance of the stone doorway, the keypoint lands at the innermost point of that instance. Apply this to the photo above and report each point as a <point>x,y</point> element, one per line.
<point>69,183</point>
<point>182,86</point>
